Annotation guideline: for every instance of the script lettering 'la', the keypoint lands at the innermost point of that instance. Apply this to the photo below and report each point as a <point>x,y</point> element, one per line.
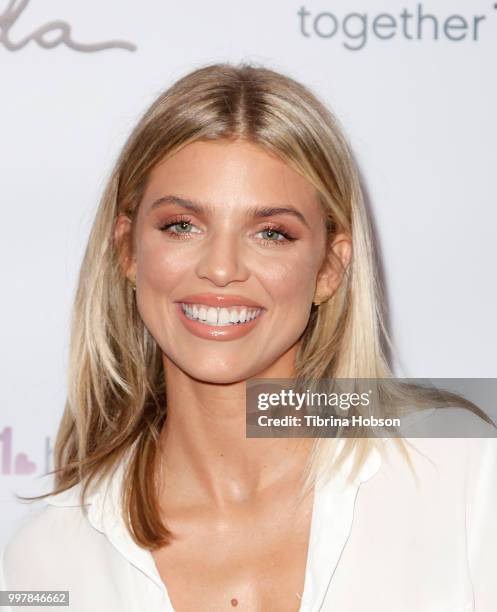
<point>61,30</point>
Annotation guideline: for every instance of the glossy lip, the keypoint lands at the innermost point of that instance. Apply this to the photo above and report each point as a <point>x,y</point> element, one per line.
<point>217,332</point>
<point>219,301</point>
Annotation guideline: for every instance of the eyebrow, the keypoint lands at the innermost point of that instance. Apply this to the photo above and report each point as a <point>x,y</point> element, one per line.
<point>257,212</point>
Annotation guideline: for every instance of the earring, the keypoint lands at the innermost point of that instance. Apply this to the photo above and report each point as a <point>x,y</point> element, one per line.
<point>133,284</point>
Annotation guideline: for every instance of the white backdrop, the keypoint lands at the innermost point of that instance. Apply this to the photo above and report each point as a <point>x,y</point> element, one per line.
<point>413,84</point>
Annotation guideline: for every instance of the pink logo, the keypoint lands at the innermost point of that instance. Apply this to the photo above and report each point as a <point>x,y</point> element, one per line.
<point>22,464</point>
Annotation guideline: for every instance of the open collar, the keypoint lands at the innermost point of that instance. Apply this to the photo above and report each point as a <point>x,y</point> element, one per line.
<point>331,525</point>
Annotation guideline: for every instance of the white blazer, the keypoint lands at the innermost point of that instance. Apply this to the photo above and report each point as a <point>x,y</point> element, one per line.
<point>380,544</point>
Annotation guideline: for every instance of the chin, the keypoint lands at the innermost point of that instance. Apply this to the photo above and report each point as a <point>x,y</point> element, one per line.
<point>221,373</point>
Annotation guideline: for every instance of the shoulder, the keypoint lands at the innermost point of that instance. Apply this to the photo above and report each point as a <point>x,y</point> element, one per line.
<point>48,540</point>
<point>451,444</point>
<point>462,426</point>
<point>450,422</point>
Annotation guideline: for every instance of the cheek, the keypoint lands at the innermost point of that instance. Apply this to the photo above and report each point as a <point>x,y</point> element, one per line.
<point>159,268</point>
<point>290,281</point>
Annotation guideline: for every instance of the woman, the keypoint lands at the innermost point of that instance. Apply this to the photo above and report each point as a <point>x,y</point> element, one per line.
<point>232,243</point>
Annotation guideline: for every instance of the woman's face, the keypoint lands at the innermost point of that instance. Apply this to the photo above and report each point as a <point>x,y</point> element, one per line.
<point>208,245</point>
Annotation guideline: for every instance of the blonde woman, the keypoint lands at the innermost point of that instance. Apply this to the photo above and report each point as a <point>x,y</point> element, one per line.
<point>232,243</point>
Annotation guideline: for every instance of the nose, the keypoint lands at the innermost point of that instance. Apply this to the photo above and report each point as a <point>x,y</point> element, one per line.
<point>223,259</point>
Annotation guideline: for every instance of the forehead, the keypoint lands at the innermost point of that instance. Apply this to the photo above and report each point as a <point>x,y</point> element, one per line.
<point>230,173</point>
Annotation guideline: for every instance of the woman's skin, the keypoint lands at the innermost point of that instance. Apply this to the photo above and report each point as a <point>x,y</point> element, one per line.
<point>240,542</point>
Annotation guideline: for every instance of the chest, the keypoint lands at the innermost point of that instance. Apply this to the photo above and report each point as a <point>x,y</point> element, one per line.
<point>238,563</point>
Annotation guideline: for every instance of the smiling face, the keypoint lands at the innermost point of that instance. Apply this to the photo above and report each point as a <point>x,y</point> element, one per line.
<point>205,232</point>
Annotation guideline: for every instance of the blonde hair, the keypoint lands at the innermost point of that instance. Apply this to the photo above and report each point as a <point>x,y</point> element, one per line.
<point>116,388</point>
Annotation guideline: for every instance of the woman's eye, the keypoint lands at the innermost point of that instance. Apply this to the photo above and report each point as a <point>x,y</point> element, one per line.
<point>181,227</point>
<point>275,235</point>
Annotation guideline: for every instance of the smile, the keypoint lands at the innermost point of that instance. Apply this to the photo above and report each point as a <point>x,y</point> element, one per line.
<point>218,323</point>
<point>219,317</point>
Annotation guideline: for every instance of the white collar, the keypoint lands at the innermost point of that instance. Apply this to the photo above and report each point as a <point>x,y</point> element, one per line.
<point>332,517</point>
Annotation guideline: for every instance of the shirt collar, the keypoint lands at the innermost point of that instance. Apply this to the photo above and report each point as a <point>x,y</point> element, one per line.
<point>332,517</point>
<point>105,515</point>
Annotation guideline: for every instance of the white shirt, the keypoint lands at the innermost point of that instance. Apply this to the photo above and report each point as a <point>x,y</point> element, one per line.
<point>379,544</point>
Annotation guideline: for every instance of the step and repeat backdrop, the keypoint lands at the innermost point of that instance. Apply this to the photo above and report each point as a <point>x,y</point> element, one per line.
<point>413,84</point>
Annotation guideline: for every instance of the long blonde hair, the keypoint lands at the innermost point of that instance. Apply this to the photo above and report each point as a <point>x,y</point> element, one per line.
<point>116,388</point>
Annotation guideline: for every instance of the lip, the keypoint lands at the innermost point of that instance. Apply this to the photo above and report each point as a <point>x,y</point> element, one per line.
<point>217,332</point>
<point>219,300</point>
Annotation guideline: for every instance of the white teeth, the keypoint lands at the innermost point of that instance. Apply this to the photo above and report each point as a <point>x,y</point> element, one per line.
<point>243,315</point>
<point>224,316</point>
<point>220,316</point>
<point>211,316</point>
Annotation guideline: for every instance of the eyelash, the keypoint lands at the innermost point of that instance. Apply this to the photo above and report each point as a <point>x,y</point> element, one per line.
<point>273,228</point>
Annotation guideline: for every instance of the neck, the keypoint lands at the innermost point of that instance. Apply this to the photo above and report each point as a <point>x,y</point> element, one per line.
<point>205,455</point>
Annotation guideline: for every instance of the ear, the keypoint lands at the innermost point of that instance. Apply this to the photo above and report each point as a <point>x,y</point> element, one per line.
<point>334,266</point>
<point>123,242</point>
